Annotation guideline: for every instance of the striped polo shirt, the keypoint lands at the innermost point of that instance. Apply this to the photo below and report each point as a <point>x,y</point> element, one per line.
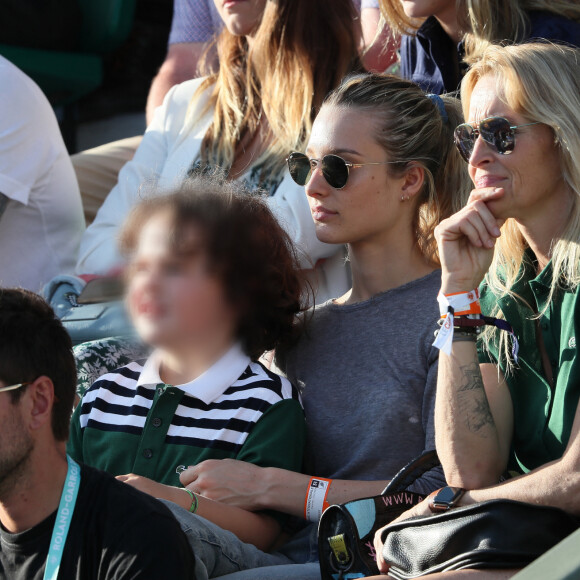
<point>129,421</point>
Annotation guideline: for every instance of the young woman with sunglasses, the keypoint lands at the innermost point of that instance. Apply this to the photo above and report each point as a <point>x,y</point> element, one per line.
<point>380,171</point>
<point>442,38</point>
<point>278,62</point>
<point>496,412</point>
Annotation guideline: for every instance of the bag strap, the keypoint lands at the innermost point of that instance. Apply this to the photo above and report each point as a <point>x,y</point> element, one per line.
<point>413,471</point>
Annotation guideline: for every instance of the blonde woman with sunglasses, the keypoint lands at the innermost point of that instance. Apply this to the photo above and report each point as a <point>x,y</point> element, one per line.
<point>509,373</point>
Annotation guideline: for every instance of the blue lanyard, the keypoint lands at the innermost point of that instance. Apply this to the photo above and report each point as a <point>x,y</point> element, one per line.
<point>64,516</point>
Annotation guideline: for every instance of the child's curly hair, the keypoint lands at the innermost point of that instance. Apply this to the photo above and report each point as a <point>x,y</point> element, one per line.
<point>245,246</point>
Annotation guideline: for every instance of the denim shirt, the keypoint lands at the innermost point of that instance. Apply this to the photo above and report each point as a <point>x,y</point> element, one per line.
<point>433,61</point>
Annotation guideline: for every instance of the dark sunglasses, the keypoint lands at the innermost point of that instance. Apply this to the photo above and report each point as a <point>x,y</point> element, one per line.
<point>334,168</point>
<point>495,131</point>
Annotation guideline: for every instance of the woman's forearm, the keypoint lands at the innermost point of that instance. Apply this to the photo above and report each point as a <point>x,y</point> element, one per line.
<point>286,491</point>
<point>248,486</point>
<point>466,434</point>
<point>552,484</point>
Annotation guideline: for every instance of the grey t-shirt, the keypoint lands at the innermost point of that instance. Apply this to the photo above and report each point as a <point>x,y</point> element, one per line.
<point>367,374</point>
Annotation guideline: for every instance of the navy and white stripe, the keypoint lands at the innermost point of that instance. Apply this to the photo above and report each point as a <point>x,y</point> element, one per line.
<point>117,402</point>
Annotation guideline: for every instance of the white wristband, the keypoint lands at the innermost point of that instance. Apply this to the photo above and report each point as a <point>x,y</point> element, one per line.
<point>460,304</point>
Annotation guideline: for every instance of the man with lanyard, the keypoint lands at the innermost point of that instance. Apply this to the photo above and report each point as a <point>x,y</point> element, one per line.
<point>59,519</point>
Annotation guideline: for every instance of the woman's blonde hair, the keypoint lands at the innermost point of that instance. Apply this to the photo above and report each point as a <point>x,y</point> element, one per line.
<point>300,51</point>
<point>411,129</point>
<point>484,21</point>
<point>540,82</point>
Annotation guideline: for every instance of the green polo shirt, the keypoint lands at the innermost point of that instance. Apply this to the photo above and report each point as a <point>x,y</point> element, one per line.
<point>543,416</point>
<point>130,422</point>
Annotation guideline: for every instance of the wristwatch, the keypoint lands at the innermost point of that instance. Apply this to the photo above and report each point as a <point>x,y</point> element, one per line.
<point>445,499</point>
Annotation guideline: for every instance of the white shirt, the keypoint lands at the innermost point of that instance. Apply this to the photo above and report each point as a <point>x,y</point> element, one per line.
<point>170,145</point>
<point>42,225</point>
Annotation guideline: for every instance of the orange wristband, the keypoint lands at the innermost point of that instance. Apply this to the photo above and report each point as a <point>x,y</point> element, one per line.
<point>315,501</point>
<point>463,303</point>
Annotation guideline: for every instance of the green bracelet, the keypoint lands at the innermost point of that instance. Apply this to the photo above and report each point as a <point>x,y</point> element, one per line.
<point>194,500</point>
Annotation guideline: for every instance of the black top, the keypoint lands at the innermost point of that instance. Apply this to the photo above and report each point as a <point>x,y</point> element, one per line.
<point>116,533</point>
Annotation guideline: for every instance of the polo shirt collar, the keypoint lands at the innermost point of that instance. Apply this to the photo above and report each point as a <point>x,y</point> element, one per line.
<point>208,386</point>
<point>531,287</point>
<point>528,277</point>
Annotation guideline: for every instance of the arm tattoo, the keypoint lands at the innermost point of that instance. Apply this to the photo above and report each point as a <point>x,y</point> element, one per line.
<point>473,401</point>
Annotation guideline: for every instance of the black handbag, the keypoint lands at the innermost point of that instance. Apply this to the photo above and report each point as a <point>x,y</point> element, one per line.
<point>493,534</point>
<point>346,532</point>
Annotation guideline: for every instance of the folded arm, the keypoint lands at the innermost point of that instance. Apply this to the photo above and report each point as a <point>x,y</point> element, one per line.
<point>555,484</point>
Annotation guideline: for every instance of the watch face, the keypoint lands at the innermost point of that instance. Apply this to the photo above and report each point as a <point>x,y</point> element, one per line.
<point>446,495</point>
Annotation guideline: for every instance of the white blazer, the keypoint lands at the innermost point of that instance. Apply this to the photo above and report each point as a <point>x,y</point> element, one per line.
<point>169,147</point>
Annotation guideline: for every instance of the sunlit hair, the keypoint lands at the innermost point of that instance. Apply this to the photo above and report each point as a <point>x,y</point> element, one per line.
<point>410,129</point>
<point>243,245</point>
<point>300,51</point>
<point>488,21</point>
<point>540,82</point>
<point>484,21</point>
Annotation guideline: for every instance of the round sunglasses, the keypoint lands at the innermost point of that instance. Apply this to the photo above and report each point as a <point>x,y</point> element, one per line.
<point>495,131</point>
<point>334,168</point>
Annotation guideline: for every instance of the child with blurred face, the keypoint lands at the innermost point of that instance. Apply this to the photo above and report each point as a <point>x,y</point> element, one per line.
<point>176,302</point>
<point>213,283</point>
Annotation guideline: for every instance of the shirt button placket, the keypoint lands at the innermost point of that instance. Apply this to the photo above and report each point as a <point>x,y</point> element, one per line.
<point>155,431</point>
